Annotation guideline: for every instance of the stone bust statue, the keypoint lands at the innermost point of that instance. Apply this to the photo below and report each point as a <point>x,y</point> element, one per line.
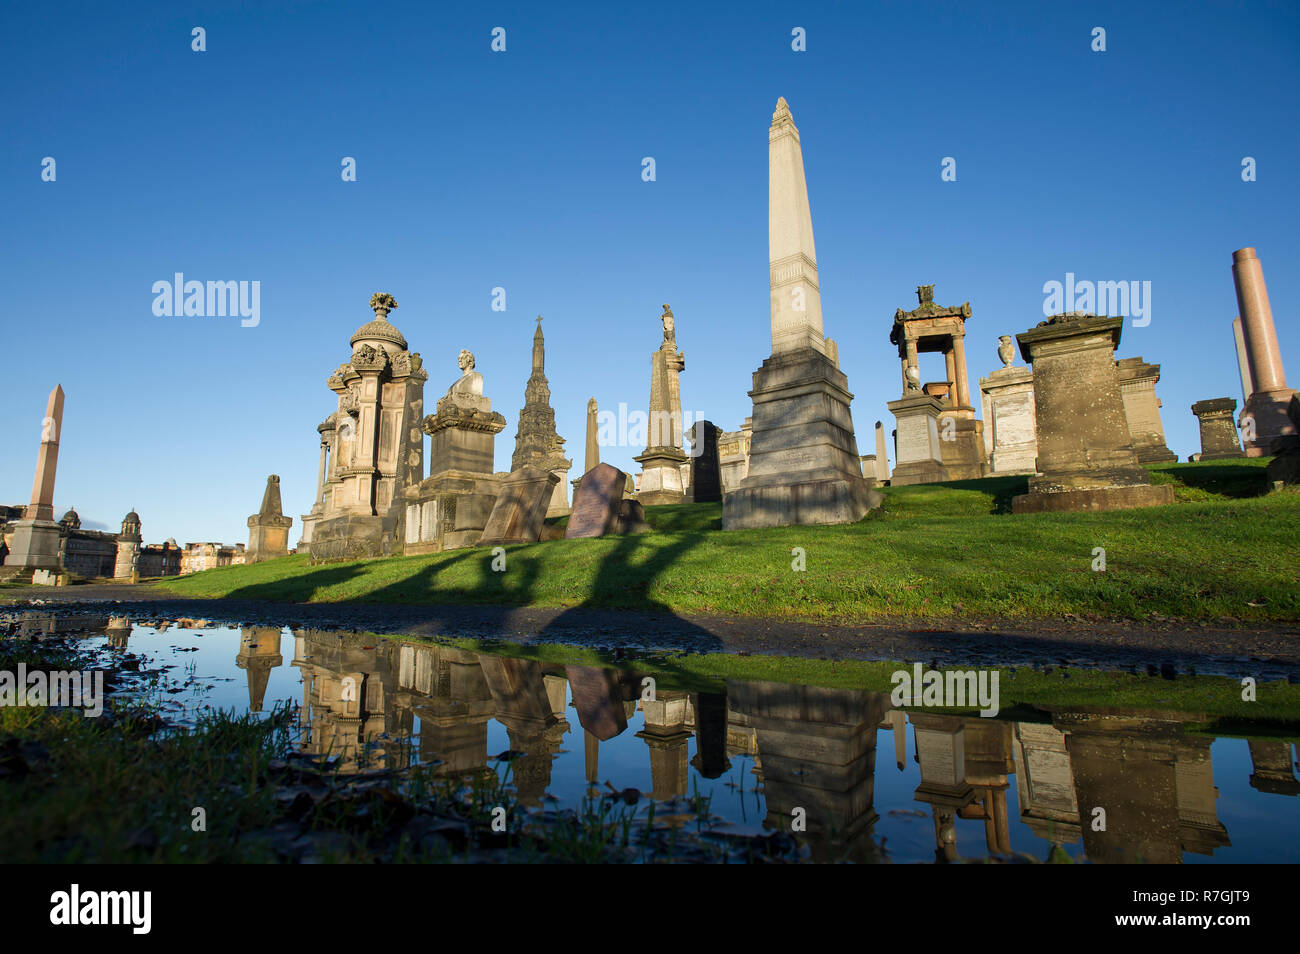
<point>1006,350</point>
<point>470,382</point>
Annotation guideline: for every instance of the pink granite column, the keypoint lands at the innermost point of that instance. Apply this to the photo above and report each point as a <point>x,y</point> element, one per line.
<point>1257,321</point>
<point>1264,416</point>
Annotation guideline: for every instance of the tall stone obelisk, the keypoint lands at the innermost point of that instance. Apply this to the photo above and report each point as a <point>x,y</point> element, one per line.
<point>36,535</point>
<point>1265,409</point>
<point>803,458</point>
<point>536,442</point>
<point>593,439</point>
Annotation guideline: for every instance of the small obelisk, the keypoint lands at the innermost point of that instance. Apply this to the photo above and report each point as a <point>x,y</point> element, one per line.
<point>803,458</point>
<point>268,529</point>
<point>1265,412</point>
<point>36,535</point>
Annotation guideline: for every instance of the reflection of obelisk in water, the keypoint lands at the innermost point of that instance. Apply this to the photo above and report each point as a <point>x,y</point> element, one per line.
<point>35,543</point>
<point>818,752</point>
<point>259,653</point>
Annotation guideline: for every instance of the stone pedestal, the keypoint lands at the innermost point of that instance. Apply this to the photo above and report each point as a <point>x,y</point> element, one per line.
<point>1266,408</point>
<point>1010,431</point>
<point>35,546</point>
<point>1085,455</point>
<point>1218,432</point>
<point>268,529</point>
<point>918,457</point>
<point>1137,386</point>
<point>803,458</point>
<point>661,476</point>
<point>450,508</point>
<point>961,444</point>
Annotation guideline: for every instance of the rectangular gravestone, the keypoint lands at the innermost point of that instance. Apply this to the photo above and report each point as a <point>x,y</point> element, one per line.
<point>706,474</point>
<point>599,507</point>
<point>520,509</point>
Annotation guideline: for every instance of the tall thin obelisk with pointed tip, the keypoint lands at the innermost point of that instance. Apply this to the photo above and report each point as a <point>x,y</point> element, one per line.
<point>36,535</point>
<point>792,254</point>
<point>803,457</point>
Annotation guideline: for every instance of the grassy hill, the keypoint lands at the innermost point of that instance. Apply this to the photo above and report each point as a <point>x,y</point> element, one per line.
<point>1224,552</point>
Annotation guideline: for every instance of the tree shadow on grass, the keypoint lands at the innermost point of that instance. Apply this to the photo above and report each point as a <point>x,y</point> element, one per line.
<point>1002,489</point>
<point>1235,480</point>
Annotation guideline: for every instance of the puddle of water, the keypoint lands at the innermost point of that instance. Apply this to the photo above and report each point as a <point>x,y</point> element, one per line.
<point>871,781</point>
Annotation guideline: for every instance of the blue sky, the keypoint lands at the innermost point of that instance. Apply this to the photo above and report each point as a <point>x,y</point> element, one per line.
<point>522,170</point>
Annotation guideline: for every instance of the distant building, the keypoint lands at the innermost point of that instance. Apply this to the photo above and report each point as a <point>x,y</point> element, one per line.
<point>92,554</point>
<point>207,556</point>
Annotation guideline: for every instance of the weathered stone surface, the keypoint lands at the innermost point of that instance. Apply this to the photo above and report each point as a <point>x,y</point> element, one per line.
<point>268,529</point>
<point>520,509</point>
<point>375,446</point>
<point>803,457</point>
<point>661,462</point>
<point>733,455</point>
<point>599,507</point>
<point>942,329</point>
<point>1218,431</point>
<point>1085,455</point>
<point>917,454</point>
<point>536,442</point>
<point>35,543</point>
<point>450,508</point>
<point>1137,385</point>
<point>1010,431</point>
<point>598,699</point>
<point>1284,469</point>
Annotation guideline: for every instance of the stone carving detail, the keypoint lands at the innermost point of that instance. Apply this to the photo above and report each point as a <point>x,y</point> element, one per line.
<point>1006,350</point>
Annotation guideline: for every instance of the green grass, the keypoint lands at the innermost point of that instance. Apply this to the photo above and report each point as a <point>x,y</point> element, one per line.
<point>1221,553</point>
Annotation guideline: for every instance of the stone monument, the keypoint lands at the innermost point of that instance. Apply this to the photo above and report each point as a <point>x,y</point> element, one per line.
<point>733,455</point>
<point>268,529</point>
<point>1137,385</point>
<point>1085,455</point>
<point>935,328</point>
<point>706,475</point>
<point>35,542</point>
<point>600,506</point>
<point>377,449</point>
<point>1284,468</point>
<point>450,508</point>
<point>1243,361</point>
<point>1266,408</point>
<point>803,457</point>
<point>1010,432</point>
<point>1218,432</point>
<point>127,565</point>
<point>536,442</point>
<point>520,511</point>
<point>661,462</point>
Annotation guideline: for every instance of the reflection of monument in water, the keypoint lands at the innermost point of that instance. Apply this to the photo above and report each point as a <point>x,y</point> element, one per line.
<point>817,751</point>
<point>812,748</point>
<point>259,653</point>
